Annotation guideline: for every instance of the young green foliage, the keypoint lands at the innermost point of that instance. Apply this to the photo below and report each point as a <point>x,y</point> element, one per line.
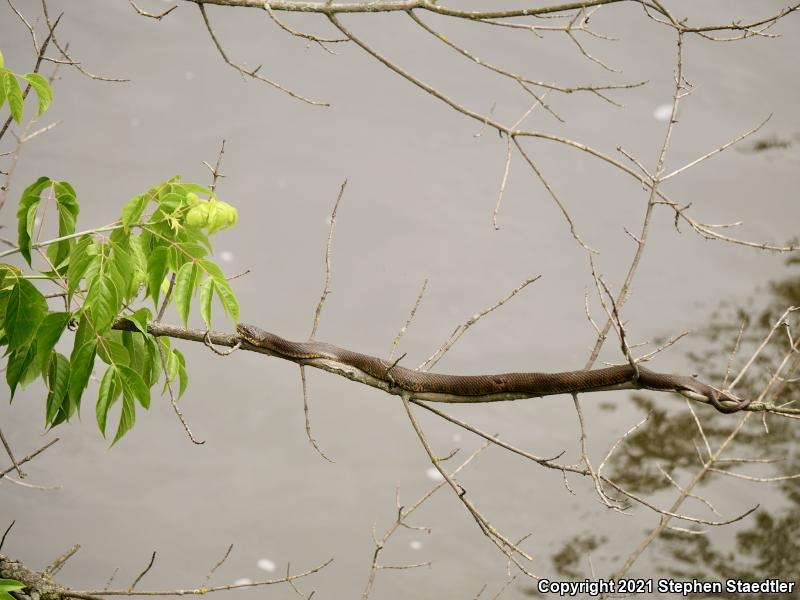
<point>11,91</point>
<point>162,237</point>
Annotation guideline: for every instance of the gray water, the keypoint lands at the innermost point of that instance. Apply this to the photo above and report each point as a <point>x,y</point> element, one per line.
<point>422,187</point>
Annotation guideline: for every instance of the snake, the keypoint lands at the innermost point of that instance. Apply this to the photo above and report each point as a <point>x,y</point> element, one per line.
<point>484,388</point>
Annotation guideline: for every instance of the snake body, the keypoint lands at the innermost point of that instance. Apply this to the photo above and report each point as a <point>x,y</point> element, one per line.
<point>487,387</point>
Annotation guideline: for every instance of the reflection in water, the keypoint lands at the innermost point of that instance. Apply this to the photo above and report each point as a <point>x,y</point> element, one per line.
<point>773,142</point>
<point>568,562</point>
<point>266,564</point>
<point>767,545</point>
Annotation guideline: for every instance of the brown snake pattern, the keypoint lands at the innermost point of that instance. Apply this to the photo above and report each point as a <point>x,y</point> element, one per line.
<point>475,387</point>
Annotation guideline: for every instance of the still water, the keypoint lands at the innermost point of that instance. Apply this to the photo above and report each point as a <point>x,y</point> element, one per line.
<point>421,189</point>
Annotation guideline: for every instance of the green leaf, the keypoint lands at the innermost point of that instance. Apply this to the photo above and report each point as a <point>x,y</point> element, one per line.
<point>6,596</point>
<point>223,289</point>
<point>126,418</point>
<point>18,367</point>
<point>53,325</point>
<point>112,350</point>
<point>82,253</point>
<point>57,382</point>
<point>30,218</point>
<point>183,377</point>
<point>133,209</point>
<point>152,363</point>
<point>103,301</point>
<point>85,331</point>
<point>133,382</point>
<point>212,270</point>
<point>2,63</point>
<point>134,344</point>
<point>9,585</point>
<point>25,310</point>
<point>8,275</point>
<point>13,94</point>
<point>68,209</point>
<point>168,203</point>
<point>206,293</point>
<point>31,371</point>
<point>4,296</point>
<point>173,363</point>
<point>26,215</point>
<point>156,270</point>
<point>196,236</point>
<point>123,263</point>
<point>137,250</point>
<point>107,395</point>
<point>82,361</point>
<point>140,319</point>
<point>192,249</point>
<point>185,284</point>
<point>2,87</point>
<point>195,188</point>
<point>41,86</point>
<point>228,299</point>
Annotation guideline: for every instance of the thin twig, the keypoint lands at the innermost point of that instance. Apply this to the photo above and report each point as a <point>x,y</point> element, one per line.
<point>58,563</point>
<point>30,456</point>
<point>411,316</point>
<point>5,533</point>
<point>253,73</point>
<point>327,287</point>
<point>219,564</point>
<point>215,172</point>
<point>11,455</point>
<point>307,417</point>
<point>502,183</point>
<point>143,573</point>
<point>462,329</point>
<point>94,594</point>
<point>506,546</point>
<point>157,17</point>
<point>172,399</point>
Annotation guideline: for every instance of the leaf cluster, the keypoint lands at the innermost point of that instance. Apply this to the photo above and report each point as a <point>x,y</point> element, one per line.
<point>11,90</point>
<point>159,251</point>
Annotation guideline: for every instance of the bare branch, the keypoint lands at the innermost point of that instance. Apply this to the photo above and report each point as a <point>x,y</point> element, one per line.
<point>143,573</point>
<point>319,40</point>
<point>5,533</point>
<point>219,564</point>
<point>11,455</point>
<point>307,416</point>
<point>462,329</point>
<point>216,174</point>
<point>55,567</point>
<point>253,73</point>
<point>411,316</point>
<point>327,288</point>
<point>30,456</point>
<point>502,183</point>
<point>716,150</point>
<point>157,17</point>
<point>94,594</point>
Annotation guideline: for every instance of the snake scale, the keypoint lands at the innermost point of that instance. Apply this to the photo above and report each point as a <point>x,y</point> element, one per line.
<point>433,386</point>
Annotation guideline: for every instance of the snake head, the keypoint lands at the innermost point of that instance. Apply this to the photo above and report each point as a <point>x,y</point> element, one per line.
<point>249,333</point>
